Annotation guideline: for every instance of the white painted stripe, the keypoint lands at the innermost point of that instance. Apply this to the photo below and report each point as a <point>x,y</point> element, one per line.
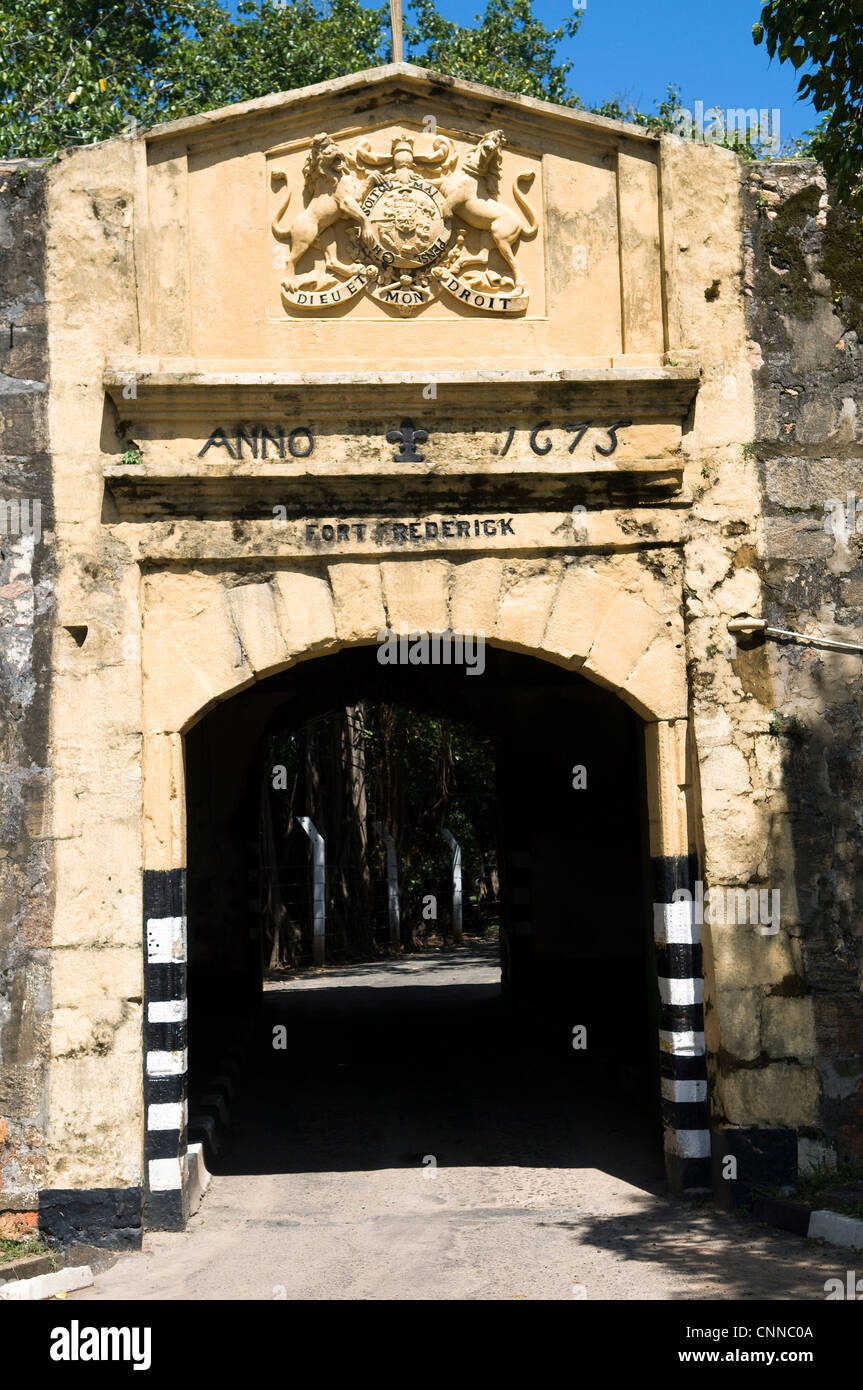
<point>688,1143</point>
<point>43,1286</point>
<point>169,1115</point>
<point>684,1044</point>
<point>166,1063</point>
<point>168,1011</point>
<point>683,1092</point>
<point>166,940</point>
<point>166,1174</point>
<point>689,991</point>
<point>673,925</point>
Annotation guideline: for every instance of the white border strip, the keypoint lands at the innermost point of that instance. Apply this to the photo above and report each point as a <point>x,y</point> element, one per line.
<point>673,925</point>
<point>686,1044</point>
<point>687,991</point>
<point>168,1011</point>
<point>168,1115</point>
<point>166,940</point>
<point>688,1143</point>
<point>166,1174</point>
<point>683,1092</point>
<point>167,1063</point>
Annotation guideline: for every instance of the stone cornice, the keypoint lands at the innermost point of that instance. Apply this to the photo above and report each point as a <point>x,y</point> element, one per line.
<point>163,394</point>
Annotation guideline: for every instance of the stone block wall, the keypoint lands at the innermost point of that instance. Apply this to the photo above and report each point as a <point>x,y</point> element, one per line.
<point>26,602</point>
<point>766,297</point>
<point>803,284</point>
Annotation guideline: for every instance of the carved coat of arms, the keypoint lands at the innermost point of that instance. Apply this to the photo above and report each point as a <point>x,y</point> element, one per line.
<point>402,207</point>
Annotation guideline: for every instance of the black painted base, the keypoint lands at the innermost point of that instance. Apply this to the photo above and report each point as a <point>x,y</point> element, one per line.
<point>165,1211</point>
<point>688,1177</point>
<point>762,1158</point>
<point>106,1216</point>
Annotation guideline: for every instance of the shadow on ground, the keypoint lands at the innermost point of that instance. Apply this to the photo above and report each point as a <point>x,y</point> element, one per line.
<point>386,1064</point>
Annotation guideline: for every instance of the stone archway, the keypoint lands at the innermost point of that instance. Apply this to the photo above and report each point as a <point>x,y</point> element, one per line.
<point>210,633</point>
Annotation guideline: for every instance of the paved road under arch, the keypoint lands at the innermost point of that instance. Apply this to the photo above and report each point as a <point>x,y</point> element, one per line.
<point>548,1179</point>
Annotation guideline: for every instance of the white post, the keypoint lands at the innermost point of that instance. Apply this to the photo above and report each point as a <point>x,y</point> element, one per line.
<point>456,882</point>
<point>392,884</point>
<point>319,890</point>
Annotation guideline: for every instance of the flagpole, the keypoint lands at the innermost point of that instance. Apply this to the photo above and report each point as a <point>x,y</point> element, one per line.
<point>396,26</point>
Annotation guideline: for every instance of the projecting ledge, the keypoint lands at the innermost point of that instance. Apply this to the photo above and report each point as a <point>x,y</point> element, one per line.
<point>143,389</point>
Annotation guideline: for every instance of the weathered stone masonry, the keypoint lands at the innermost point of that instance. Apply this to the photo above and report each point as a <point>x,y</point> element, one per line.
<point>714,306</point>
<point>26,607</point>
<point>804,289</point>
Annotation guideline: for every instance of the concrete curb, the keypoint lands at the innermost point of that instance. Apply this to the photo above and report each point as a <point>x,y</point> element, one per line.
<point>47,1285</point>
<point>838,1229</point>
<point>198,1176</point>
<point>801,1220</point>
<point>27,1267</point>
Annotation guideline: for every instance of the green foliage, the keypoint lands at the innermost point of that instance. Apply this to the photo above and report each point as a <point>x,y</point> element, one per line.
<point>782,726</point>
<point>273,48</point>
<point>663,119</point>
<point>71,71</point>
<point>829,1188</point>
<point>85,70</point>
<point>509,48</point>
<point>427,773</point>
<point>825,37</point>
<point>17,1249</point>
<point>421,773</point>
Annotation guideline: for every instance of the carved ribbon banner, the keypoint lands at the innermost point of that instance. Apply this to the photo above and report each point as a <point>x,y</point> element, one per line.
<point>491,303</point>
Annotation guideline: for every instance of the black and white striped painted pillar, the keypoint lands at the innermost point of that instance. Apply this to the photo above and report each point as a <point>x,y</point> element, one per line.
<point>679,966</point>
<point>683,1060</point>
<point>165,1048</point>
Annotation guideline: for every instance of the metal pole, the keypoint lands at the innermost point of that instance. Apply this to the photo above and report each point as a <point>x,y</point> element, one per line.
<point>396,26</point>
<point>750,626</point>
<point>392,884</point>
<point>319,890</point>
<point>456,883</point>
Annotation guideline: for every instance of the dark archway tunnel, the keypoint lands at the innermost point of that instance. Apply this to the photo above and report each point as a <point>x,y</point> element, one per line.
<point>431,1055</point>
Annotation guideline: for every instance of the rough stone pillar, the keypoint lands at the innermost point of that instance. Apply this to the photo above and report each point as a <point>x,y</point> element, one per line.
<point>27,588</point>
<point>677,938</point>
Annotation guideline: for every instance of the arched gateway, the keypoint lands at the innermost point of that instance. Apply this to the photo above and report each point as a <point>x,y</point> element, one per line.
<point>395,353</point>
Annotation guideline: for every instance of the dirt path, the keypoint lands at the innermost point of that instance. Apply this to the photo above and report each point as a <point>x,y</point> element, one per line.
<point>544,1178</point>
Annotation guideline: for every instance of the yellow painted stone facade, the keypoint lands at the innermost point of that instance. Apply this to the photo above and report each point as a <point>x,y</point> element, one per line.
<point>204,546</point>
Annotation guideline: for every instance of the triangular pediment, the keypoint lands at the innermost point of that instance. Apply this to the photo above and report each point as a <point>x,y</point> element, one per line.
<point>364,92</point>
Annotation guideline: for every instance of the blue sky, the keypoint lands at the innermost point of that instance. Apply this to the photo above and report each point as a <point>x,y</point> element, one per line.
<point>633,49</point>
